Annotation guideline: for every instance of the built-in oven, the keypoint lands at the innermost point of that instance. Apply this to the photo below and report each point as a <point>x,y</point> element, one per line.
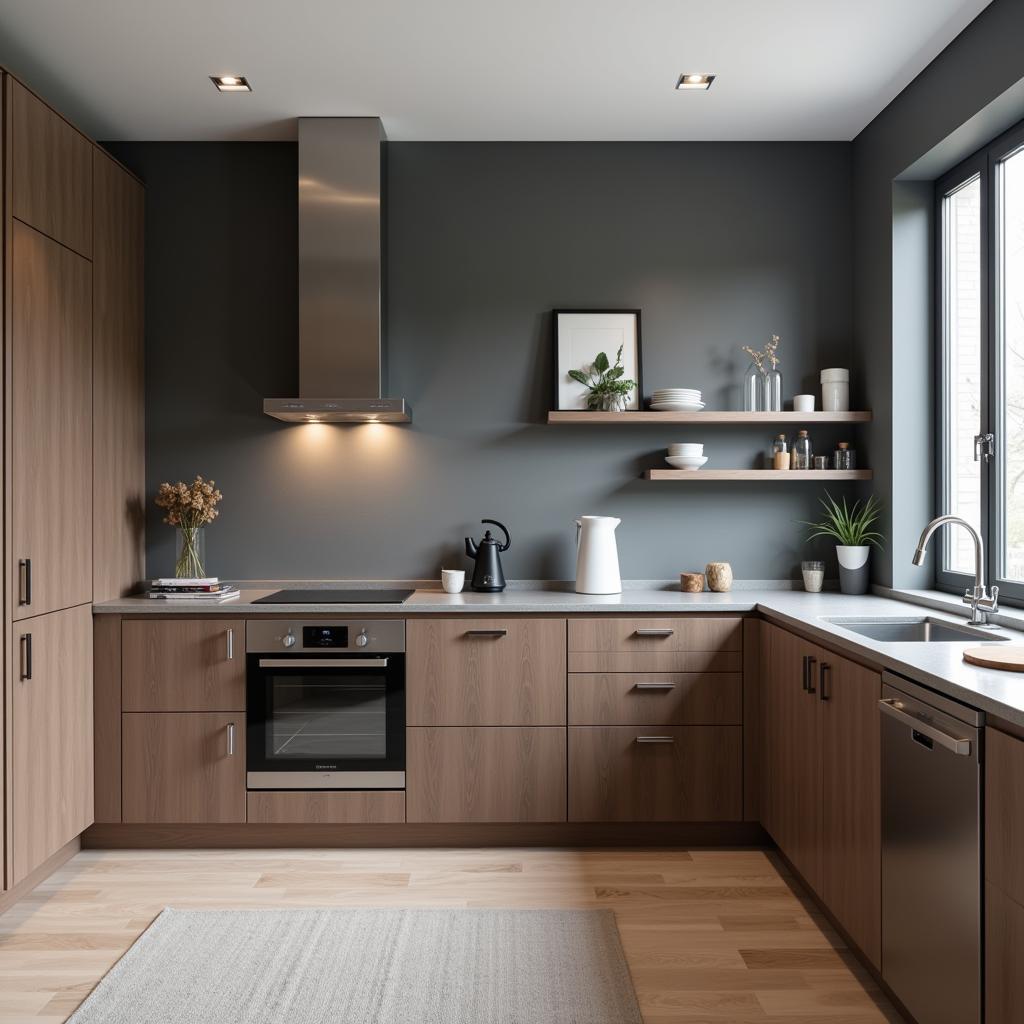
<point>326,704</point>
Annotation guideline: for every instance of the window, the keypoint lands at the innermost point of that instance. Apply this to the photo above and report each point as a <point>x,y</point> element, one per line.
<point>980,218</point>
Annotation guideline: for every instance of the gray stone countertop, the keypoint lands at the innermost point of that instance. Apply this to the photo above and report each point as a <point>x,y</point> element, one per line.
<point>939,666</point>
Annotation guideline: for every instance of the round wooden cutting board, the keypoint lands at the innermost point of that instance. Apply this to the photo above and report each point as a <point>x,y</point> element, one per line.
<point>1010,659</point>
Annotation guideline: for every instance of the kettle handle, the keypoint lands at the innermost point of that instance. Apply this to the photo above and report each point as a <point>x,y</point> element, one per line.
<point>508,539</point>
<point>579,530</point>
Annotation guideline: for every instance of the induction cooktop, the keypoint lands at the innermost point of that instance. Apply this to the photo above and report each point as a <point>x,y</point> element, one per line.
<point>325,596</point>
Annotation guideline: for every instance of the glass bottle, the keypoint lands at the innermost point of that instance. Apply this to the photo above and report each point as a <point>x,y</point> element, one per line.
<point>845,457</point>
<point>753,389</point>
<point>780,453</point>
<point>803,452</point>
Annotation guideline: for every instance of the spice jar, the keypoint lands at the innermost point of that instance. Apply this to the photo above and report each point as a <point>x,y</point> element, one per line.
<point>780,453</point>
<point>844,457</point>
<point>802,453</point>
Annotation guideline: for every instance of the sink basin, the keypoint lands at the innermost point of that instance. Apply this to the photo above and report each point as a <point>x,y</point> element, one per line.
<point>915,630</point>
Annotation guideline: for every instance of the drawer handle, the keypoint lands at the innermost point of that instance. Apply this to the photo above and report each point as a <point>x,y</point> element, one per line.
<point>25,581</point>
<point>655,686</point>
<point>655,739</point>
<point>26,656</point>
<point>231,740</point>
<point>653,632</point>
<point>230,644</point>
<point>487,632</point>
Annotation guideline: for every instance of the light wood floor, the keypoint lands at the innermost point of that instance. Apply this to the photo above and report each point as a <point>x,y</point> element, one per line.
<point>713,936</point>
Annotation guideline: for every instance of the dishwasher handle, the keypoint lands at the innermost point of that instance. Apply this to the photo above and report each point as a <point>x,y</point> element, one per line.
<point>894,709</point>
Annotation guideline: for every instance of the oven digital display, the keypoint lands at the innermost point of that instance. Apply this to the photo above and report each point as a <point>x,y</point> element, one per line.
<point>325,636</point>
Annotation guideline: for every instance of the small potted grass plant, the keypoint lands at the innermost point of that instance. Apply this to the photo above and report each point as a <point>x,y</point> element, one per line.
<point>851,528</point>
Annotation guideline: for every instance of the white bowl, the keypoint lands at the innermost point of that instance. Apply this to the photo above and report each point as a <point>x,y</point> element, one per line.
<point>695,450</point>
<point>686,461</point>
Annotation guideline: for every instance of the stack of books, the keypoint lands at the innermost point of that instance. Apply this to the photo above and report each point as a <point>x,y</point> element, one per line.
<point>201,590</point>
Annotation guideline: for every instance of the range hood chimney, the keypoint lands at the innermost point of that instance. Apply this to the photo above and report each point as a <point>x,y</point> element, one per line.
<point>342,371</point>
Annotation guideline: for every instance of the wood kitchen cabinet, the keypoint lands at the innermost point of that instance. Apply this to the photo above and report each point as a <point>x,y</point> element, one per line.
<point>669,773</point>
<point>51,425</point>
<point>510,774</point>
<point>183,665</point>
<point>119,469</point>
<point>1004,877</point>
<point>494,672</point>
<point>51,171</point>
<point>182,768</point>
<point>821,764</point>
<point>52,733</point>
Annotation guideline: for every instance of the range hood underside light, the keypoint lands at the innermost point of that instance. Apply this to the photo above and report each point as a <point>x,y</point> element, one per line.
<point>338,410</point>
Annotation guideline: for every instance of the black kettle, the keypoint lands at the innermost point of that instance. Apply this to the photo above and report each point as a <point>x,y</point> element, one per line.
<point>487,575</point>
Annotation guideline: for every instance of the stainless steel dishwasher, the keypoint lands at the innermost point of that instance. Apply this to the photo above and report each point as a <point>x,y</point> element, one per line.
<point>931,853</point>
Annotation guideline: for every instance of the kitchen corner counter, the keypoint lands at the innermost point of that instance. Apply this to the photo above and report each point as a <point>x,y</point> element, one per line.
<point>939,666</point>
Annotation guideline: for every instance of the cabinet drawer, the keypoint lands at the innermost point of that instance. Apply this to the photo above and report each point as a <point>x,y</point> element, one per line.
<point>655,661</point>
<point>696,775</point>
<point>656,635</point>
<point>183,665</point>
<point>1004,818</point>
<point>292,807</point>
<point>183,768</point>
<point>485,672</point>
<point>489,774</point>
<point>656,698</point>
<point>1004,940</point>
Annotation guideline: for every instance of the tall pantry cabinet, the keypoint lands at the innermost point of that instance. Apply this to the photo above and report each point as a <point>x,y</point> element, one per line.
<point>72,457</point>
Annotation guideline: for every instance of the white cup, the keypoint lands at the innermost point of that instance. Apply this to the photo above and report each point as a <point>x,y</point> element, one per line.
<point>803,403</point>
<point>686,449</point>
<point>453,580</point>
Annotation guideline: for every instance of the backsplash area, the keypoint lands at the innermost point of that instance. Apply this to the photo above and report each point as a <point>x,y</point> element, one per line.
<point>719,245</point>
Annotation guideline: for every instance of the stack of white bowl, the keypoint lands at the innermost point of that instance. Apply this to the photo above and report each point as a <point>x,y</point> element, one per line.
<point>686,456</point>
<point>677,400</point>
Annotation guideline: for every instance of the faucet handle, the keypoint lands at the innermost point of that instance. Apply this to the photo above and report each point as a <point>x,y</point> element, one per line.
<point>991,602</point>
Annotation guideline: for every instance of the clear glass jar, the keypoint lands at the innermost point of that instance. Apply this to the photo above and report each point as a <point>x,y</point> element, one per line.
<point>803,452</point>
<point>773,391</point>
<point>814,576</point>
<point>753,389</point>
<point>780,453</point>
<point>844,457</point>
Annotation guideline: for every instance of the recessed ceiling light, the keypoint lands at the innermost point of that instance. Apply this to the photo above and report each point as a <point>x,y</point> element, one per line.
<point>231,83</point>
<point>695,81</point>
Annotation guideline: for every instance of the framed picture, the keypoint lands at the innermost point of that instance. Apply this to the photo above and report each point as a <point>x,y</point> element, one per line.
<point>580,334</point>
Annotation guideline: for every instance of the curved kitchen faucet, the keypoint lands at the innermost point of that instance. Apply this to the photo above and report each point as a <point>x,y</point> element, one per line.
<point>981,601</point>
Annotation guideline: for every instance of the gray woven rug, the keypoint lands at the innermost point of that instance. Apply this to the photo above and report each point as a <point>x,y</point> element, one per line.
<point>370,967</point>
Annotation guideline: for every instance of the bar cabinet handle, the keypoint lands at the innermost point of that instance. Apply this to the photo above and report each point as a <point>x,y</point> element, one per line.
<point>809,682</point>
<point>26,656</point>
<point>655,739</point>
<point>231,643</point>
<point>825,675</point>
<point>231,739</point>
<point>486,632</point>
<point>653,632</point>
<point>25,581</point>
<point>655,686</point>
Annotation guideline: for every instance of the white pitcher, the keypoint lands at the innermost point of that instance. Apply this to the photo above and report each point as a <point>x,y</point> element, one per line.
<point>597,557</point>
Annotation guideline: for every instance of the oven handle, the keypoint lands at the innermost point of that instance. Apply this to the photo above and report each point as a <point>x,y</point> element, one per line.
<point>323,662</point>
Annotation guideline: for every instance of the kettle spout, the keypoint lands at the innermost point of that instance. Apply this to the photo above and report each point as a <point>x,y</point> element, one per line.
<point>471,548</point>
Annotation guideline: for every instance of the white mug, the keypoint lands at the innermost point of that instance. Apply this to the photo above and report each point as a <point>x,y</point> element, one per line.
<point>803,403</point>
<point>453,580</point>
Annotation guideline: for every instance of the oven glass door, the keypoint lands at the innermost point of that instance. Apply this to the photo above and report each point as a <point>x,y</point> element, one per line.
<point>326,713</point>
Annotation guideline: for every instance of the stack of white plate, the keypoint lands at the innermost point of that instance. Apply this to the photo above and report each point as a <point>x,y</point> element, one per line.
<point>677,400</point>
<point>686,456</point>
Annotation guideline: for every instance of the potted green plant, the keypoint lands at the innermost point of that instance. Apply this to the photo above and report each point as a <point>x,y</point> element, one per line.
<point>851,527</point>
<point>608,389</point>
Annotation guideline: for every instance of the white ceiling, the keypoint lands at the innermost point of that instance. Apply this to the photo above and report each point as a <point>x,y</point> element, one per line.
<point>478,69</point>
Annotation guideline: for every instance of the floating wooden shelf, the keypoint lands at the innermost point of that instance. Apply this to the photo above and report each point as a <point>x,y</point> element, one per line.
<point>764,475</point>
<point>706,417</point>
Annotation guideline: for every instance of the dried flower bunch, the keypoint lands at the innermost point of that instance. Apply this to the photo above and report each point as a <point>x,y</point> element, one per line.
<point>767,359</point>
<point>189,506</point>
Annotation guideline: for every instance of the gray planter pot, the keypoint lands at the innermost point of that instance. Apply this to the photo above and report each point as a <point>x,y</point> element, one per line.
<point>854,577</point>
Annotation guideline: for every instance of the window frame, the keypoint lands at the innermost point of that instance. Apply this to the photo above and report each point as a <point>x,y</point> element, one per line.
<point>985,164</point>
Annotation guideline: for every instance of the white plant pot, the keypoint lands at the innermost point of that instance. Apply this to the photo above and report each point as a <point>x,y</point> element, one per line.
<point>853,568</point>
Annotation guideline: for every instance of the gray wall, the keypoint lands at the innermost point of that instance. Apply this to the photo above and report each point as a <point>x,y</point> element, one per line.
<point>719,244</point>
<point>965,97</point>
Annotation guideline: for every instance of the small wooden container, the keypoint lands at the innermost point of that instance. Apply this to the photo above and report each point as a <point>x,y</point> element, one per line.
<point>691,582</point>
<point>719,577</point>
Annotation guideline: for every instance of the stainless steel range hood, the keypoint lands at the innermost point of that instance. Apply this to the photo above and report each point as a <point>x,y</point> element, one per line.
<point>342,369</point>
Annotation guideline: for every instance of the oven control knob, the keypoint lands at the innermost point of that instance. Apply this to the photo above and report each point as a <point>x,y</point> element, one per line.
<point>362,639</point>
<point>288,639</point>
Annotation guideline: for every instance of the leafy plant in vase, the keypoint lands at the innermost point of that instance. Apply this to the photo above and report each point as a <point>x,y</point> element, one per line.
<point>608,389</point>
<point>851,527</point>
<point>189,507</point>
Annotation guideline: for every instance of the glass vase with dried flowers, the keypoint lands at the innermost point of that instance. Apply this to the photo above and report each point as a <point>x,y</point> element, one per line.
<point>762,383</point>
<point>189,507</point>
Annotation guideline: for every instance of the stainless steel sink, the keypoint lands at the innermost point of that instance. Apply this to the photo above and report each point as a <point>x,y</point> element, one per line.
<point>925,630</point>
